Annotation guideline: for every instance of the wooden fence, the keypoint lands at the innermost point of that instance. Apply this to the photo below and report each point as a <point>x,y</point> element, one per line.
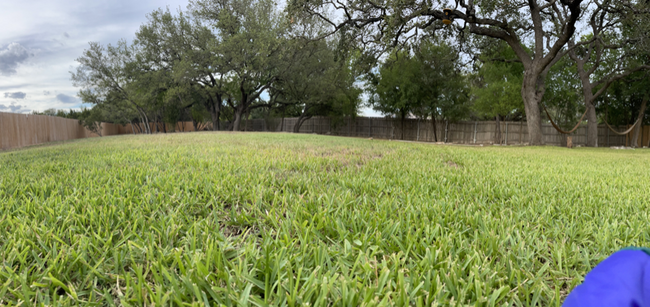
<point>158,127</point>
<point>465,132</point>
<point>19,130</point>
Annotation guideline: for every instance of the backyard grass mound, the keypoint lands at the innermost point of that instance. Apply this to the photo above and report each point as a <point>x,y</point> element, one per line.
<point>283,219</point>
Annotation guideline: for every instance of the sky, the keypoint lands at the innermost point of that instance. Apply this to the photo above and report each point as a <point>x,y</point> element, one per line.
<point>40,41</point>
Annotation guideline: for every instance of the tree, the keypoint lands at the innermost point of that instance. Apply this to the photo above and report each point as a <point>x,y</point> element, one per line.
<point>602,59</point>
<point>168,49</point>
<point>537,33</point>
<point>250,36</point>
<point>92,119</point>
<point>425,82</point>
<point>496,88</point>
<point>563,98</point>
<point>319,82</point>
<point>445,90</point>
<point>105,75</point>
<point>185,49</point>
<point>395,89</point>
<point>625,103</point>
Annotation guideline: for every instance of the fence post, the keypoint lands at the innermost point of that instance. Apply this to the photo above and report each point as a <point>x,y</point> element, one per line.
<point>349,125</point>
<point>521,131</point>
<point>426,136</point>
<point>607,137</point>
<point>446,129</point>
<point>418,137</point>
<point>369,127</point>
<point>475,124</point>
<point>356,127</point>
<point>506,133</point>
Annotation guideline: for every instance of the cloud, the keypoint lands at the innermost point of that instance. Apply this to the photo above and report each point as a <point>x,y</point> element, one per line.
<point>66,34</point>
<point>14,108</point>
<point>16,95</point>
<point>10,57</point>
<point>66,98</point>
<point>34,24</point>
<point>46,93</point>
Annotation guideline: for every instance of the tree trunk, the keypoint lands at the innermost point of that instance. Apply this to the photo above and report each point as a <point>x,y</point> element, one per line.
<point>239,112</point>
<point>146,122</point>
<point>532,91</point>
<point>588,94</point>
<point>402,137</point>
<point>141,128</point>
<point>298,124</point>
<point>215,111</point>
<point>435,133</point>
<point>247,116</point>
<point>301,120</point>
<point>497,131</point>
<point>214,114</point>
<point>217,122</point>
<point>637,130</point>
<point>592,124</point>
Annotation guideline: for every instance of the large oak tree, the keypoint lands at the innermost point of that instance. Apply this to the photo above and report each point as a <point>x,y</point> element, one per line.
<point>537,31</point>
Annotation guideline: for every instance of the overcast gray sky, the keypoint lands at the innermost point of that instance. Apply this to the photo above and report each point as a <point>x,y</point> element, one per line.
<point>40,41</point>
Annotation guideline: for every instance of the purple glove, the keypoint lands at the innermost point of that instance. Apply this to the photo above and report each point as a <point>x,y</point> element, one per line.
<point>623,279</point>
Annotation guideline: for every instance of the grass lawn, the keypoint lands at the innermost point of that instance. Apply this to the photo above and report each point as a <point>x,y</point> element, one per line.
<point>285,219</point>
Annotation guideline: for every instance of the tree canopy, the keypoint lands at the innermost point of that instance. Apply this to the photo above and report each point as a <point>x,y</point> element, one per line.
<point>222,61</point>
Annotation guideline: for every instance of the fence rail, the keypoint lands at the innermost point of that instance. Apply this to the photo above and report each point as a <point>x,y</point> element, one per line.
<point>464,132</point>
<point>20,130</point>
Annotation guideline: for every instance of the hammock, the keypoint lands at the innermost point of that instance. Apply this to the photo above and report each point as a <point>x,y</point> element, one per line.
<point>626,131</point>
<point>558,128</point>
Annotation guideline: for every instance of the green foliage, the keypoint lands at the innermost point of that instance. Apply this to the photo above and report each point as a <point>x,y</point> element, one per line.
<point>74,114</point>
<point>445,89</point>
<point>272,220</point>
<point>92,119</point>
<point>250,39</point>
<point>563,96</point>
<point>396,89</point>
<point>497,84</point>
<point>318,82</point>
<point>622,102</point>
<point>424,83</point>
<point>106,77</point>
